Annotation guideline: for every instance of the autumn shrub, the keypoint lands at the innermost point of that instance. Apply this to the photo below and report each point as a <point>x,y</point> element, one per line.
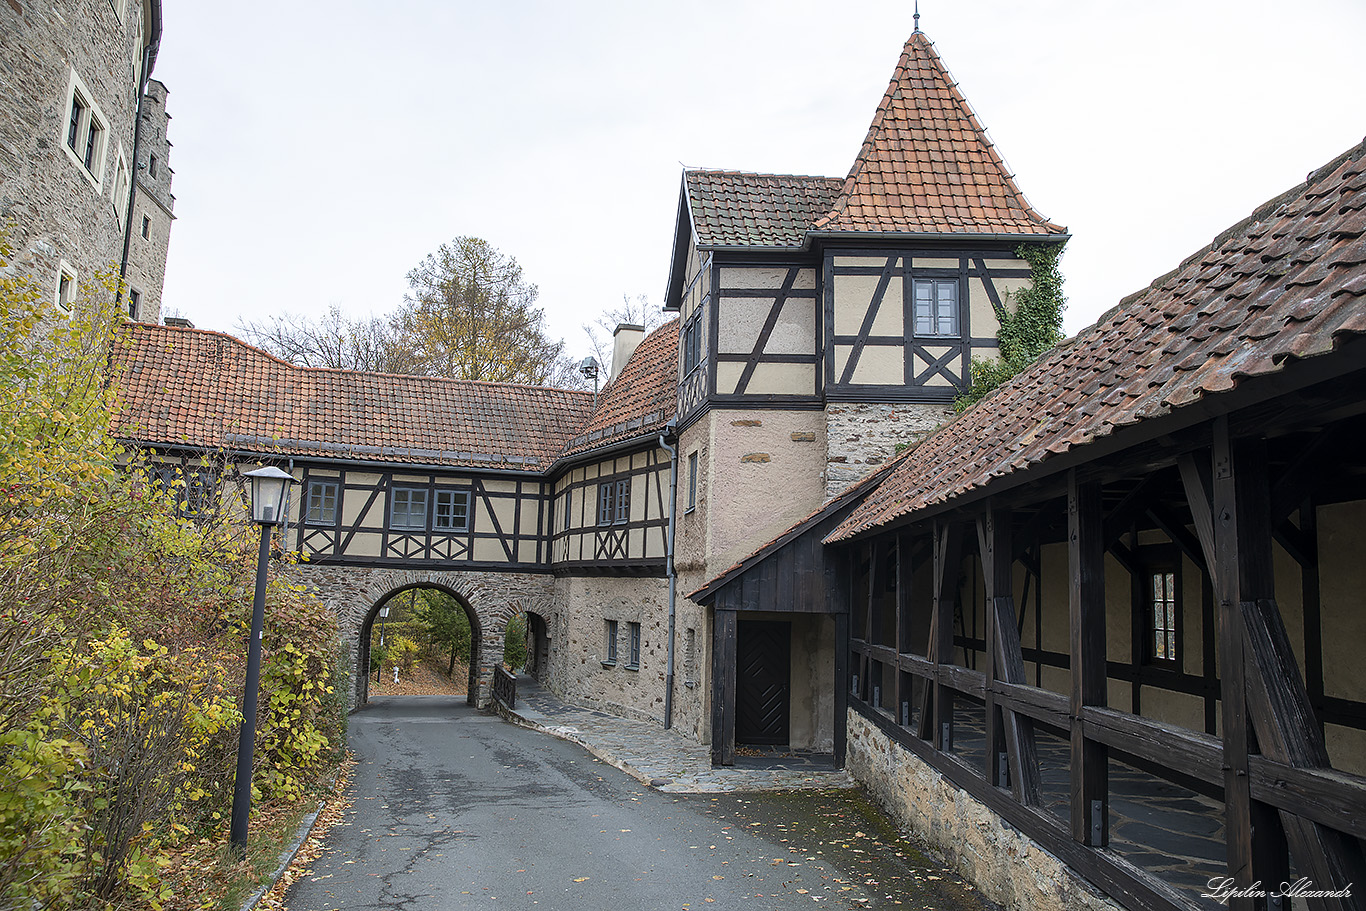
<point>123,634</point>
<point>404,653</point>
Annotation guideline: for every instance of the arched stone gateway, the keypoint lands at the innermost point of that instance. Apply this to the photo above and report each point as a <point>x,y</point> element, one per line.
<point>354,595</point>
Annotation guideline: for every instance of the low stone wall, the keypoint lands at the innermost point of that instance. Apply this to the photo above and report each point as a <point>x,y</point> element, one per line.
<point>354,594</point>
<point>1005,864</point>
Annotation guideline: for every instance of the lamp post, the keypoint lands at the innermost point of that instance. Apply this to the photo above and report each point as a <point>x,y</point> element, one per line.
<point>268,486</point>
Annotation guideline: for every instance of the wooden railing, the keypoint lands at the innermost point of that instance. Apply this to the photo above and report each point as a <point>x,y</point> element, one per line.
<point>505,687</point>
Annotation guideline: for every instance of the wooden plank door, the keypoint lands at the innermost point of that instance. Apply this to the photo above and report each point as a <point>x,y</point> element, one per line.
<point>763,671</point>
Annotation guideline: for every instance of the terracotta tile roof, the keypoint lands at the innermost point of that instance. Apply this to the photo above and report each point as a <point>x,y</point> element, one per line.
<point>1287,284</point>
<point>739,209</point>
<point>640,400</point>
<point>927,165</point>
<point>205,389</point>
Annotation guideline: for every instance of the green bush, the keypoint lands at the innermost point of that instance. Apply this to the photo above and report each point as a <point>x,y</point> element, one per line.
<point>514,643</point>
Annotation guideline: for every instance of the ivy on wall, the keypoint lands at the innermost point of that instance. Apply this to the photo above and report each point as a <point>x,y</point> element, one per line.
<point>1032,328</point>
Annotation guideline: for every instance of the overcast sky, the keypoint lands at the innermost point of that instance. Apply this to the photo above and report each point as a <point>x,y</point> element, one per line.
<point>321,150</point>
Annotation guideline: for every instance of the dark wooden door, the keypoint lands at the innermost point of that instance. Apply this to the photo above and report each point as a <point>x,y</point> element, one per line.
<point>763,681</point>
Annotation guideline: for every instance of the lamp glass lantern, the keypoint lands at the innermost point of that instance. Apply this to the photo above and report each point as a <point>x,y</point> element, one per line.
<point>268,486</point>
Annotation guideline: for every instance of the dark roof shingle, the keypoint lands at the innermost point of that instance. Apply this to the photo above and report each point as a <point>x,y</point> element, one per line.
<point>739,209</point>
<point>1287,284</point>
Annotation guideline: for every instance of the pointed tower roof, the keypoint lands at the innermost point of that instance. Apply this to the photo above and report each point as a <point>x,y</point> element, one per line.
<point>927,165</point>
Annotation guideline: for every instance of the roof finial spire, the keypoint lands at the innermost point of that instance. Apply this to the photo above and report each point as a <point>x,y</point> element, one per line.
<point>917,15</point>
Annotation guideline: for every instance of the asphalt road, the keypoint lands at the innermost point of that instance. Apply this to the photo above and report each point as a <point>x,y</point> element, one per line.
<point>451,808</point>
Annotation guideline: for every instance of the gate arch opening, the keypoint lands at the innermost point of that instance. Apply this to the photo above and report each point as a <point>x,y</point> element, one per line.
<point>447,631</point>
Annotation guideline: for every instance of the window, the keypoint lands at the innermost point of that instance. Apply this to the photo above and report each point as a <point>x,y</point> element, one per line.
<point>568,505</point>
<point>692,482</point>
<point>84,132</point>
<point>146,228</point>
<point>692,344</point>
<point>120,187</point>
<point>610,634</point>
<point>134,300</point>
<point>614,502</point>
<point>690,659</point>
<point>452,510</point>
<point>1163,609</point>
<point>151,169</point>
<point>633,635</point>
<point>409,511</point>
<point>322,503</point>
<point>66,287</point>
<point>936,307</point>
<point>195,491</point>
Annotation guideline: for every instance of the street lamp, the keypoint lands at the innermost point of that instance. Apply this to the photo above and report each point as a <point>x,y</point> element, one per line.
<point>268,486</point>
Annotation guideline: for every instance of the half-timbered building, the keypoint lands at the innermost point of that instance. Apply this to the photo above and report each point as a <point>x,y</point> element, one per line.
<point>825,321</point>
<point>1101,631</point>
<point>1093,638</point>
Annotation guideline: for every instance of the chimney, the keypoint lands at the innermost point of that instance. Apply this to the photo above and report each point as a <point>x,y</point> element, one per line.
<point>178,322</point>
<point>624,342</point>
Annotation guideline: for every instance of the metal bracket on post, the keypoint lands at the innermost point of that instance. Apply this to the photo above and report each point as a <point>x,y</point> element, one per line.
<point>877,697</point>
<point>1002,770</point>
<point>905,714</point>
<point>946,737</point>
<point>1097,823</point>
<point>853,688</point>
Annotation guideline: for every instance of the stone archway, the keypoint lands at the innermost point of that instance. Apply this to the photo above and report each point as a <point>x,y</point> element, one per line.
<point>354,594</point>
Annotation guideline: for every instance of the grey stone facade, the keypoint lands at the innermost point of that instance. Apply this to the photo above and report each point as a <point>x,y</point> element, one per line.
<point>62,215</point>
<point>153,207</point>
<point>1009,867</point>
<point>354,594</point>
<point>861,436</point>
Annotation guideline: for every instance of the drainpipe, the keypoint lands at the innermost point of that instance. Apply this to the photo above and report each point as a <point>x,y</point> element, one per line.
<point>669,572</point>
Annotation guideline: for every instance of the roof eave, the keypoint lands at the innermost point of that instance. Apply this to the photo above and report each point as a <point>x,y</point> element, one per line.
<point>911,236</point>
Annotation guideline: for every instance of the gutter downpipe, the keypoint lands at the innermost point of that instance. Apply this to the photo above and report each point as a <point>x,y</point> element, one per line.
<point>669,573</point>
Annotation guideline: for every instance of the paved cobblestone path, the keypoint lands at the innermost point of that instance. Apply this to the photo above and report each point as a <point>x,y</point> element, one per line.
<point>451,808</point>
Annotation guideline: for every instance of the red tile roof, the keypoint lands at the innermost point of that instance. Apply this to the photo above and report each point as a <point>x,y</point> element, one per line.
<point>739,209</point>
<point>927,165</point>
<point>640,400</point>
<point>1288,284</point>
<point>207,390</point>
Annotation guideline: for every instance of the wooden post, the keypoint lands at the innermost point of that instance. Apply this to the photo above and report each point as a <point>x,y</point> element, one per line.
<point>993,542</point>
<point>936,717</point>
<point>1010,735</point>
<point>1241,569</point>
<point>838,580</point>
<point>723,630</point>
<point>1090,791</point>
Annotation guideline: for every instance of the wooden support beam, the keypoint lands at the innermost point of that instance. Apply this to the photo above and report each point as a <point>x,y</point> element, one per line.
<point>723,644</point>
<point>1241,563</point>
<point>904,548</point>
<point>1090,790</point>
<point>936,715</point>
<point>1010,735</point>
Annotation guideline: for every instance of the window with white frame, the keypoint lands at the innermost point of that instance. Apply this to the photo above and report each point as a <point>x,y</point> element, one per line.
<point>452,511</point>
<point>120,186</point>
<point>85,131</point>
<point>936,307</point>
<point>66,287</point>
<point>322,503</point>
<point>409,510</point>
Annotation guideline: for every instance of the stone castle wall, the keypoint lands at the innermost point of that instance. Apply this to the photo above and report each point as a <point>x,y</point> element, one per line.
<point>354,594</point>
<point>57,212</point>
<point>861,436</point>
<point>147,255</point>
<point>1006,865</point>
